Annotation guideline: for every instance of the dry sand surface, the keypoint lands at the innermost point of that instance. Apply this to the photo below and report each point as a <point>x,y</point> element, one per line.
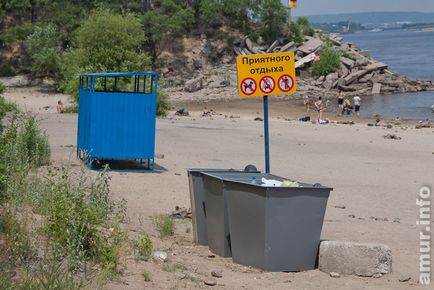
<point>372,177</point>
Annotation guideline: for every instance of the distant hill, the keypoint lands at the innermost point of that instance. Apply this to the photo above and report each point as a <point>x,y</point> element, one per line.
<point>375,18</point>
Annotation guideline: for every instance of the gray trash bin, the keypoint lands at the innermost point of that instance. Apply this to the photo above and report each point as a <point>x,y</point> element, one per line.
<point>197,199</point>
<point>275,228</point>
<point>219,239</point>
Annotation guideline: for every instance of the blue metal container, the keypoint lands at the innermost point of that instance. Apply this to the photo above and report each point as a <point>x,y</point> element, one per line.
<point>116,116</point>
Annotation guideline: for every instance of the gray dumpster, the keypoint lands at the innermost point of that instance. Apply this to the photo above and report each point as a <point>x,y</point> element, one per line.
<point>197,199</point>
<point>219,239</point>
<point>275,228</point>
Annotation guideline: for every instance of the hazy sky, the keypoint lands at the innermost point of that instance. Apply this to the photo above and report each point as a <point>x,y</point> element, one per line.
<point>312,7</point>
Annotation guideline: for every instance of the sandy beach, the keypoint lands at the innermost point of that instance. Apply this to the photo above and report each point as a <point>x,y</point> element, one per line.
<point>375,179</point>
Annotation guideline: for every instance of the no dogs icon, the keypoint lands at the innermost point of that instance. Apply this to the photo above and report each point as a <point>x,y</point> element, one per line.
<point>248,86</point>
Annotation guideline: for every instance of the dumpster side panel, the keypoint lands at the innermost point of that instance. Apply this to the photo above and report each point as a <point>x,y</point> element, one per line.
<point>246,205</point>
<point>216,216</point>
<point>197,200</point>
<point>293,228</point>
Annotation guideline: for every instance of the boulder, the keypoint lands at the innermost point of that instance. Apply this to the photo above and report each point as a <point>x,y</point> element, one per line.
<point>273,46</point>
<point>349,63</point>
<point>194,85</point>
<point>376,89</point>
<point>358,259</point>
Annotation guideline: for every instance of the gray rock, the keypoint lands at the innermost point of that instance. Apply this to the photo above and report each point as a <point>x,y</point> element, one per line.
<point>210,282</point>
<point>194,85</point>
<point>310,46</point>
<point>217,273</point>
<point>355,258</point>
<point>180,275</point>
<point>334,275</point>
<point>288,47</point>
<point>349,63</point>
<point>376,89</point>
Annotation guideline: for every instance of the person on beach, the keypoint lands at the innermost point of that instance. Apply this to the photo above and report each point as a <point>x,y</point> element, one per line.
<point>340,97</point>
<point>347,108</point>
<point>59,107</point>
<point>357,102</point>
<point>306,104</point>
<point>319,107</point>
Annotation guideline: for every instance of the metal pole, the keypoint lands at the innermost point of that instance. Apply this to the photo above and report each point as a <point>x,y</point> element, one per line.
<point>289,16</point>
<point>266,136</point>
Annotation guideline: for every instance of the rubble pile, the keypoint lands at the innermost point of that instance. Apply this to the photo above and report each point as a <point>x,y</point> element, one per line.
<point>358,73</point>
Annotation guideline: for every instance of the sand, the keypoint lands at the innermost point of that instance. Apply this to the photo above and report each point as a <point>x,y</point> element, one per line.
<point>372,177</point>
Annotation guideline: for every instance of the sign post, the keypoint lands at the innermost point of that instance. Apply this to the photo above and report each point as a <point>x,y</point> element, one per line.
<point>264,75</point>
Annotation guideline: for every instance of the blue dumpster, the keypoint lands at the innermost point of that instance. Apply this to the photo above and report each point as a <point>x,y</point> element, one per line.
<point>116,116</point>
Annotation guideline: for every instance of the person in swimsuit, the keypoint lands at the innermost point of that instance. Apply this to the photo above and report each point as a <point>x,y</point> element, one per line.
<point>340,97</point>
<point>306,104</point>
<point>319,107</point>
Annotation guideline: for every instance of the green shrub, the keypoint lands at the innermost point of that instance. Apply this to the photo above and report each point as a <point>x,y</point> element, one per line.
<point>329,60</point>
<point>165,225</point>
<point>6,70</point>
<point>71,109</point>
<point>144,247</point>
<point>32,142</point>
<point>273,17</point>
<point>163,104</point>
<point>5,106</point>
<point>2,88</point>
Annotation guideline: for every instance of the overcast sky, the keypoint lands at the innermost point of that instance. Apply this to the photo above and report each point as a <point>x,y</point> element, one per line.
<point>314,7</point>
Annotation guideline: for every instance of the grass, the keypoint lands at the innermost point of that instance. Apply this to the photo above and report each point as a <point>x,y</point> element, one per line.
<point>165,225</point>
<point>174,268</point>
<point>146,276</point>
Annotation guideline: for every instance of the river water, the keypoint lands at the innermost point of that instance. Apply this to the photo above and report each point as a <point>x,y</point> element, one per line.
<point>409,53</point>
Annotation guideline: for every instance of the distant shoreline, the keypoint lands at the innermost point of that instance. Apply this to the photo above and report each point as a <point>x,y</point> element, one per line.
<point>426,29</point>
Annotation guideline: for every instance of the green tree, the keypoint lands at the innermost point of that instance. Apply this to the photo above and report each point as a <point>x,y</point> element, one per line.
<point>166,19</point>
<point>273,17</point>
<point>329,60</point>
<point>304,26</point>
<point>105,42</point>
<point>44,52</point>
<point>295,33</point>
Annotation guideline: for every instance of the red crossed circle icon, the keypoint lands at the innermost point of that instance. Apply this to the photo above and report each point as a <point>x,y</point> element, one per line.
<point>267,85</point>
<point>248,86</point>
<point>286,83</point>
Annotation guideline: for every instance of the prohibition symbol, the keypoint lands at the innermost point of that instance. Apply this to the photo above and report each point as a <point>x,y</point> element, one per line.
<point>267,85</point>
<point>286,83</point>
<point>248,86</point>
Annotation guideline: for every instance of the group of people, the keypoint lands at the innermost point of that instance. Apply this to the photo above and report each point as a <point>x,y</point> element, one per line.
<point>344,105</point>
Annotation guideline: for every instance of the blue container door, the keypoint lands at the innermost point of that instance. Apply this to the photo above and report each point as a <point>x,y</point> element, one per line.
<point>123,125</point>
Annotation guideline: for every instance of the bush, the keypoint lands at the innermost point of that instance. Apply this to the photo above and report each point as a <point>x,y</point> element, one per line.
<point>329,60</point>
<point>165,225</point>
<point>7,70</point>
<point>163,104</point>
<point>144,247</point>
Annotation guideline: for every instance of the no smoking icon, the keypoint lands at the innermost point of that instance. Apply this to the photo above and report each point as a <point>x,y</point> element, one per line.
<point>286,83</point>
<point>248,86</point>
<point>267,85</point>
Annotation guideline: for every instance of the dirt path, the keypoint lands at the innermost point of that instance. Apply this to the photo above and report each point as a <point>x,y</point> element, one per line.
<point>372,177</point>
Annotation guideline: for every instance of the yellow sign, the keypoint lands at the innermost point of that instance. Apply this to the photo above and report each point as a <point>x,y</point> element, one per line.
<point>266,74</point>
<point>292,4</point>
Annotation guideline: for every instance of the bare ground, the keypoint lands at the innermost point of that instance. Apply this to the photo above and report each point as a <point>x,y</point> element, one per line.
<point>372,176</point>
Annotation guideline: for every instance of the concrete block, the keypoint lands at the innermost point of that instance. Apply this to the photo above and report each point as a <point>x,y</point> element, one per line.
<point>355,258</point>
